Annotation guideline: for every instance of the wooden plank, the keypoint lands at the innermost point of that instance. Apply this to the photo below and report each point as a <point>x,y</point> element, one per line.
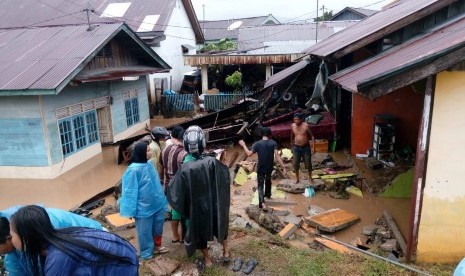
<point>332,220</point>
<point>392,225</point>
<point>233,159</point>
<point>420,166</point>
<point>332,245</point>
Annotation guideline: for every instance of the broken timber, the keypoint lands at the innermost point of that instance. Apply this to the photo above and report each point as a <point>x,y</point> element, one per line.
<point>333,245</point>
<point>392,225</point>
<point>332,220</point>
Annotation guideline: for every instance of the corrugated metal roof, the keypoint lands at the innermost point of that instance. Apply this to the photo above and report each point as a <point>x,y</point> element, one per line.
<point>43,58</point>
<point>405,55</point>
<point>360,11</point>
<point>366,12</point>
<point>198,60</point>
<point>218,29</point>
<point>258,37</point>
<point>284,74</point>
<point>35,13</point>
<point>374,27</point>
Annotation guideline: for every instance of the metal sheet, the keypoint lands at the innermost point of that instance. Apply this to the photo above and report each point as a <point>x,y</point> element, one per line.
<point>408,53</point>
<point>284,74</point>
<point>370,28</point>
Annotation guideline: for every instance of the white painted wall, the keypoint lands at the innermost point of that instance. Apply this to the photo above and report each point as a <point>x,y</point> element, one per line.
<point>440,236</point>
<point>178,32</point>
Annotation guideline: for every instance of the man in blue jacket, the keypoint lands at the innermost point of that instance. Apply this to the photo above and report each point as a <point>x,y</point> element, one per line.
<point>15,261</point>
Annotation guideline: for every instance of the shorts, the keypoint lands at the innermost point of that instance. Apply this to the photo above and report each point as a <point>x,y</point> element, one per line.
<point>304,151</point>
<point>175,215</point>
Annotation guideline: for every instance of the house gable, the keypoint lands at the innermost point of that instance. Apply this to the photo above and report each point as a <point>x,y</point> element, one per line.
<point>51,57</point>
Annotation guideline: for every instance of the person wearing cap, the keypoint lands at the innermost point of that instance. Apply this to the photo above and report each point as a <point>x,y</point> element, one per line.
<point>302,146</point>
<point>200,193</point>
<point>267,152</point>
<point>158,135</point>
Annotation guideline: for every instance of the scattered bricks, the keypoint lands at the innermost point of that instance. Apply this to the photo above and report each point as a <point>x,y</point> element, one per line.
<point>389,245</point>
<point>370,230</point>
<point>383,233</point>
<point>118,222</point>
<point>288,231</point>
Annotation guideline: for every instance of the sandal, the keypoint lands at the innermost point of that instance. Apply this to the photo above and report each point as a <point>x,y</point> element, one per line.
<point>162,250</point>
<point>250,265</point>
<point>177,241</point>
<point>237,264</point>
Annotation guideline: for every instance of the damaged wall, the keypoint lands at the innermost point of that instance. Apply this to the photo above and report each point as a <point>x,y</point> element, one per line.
<point>440,236</point>
<point>405,104</point>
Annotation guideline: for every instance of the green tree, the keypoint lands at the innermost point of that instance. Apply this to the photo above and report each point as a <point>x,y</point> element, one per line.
<point>225,44</point>
<point>325,17</point>
<point>234,80</point>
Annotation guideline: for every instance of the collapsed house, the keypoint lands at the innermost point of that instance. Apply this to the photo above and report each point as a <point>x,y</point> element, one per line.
<point>396,76</point>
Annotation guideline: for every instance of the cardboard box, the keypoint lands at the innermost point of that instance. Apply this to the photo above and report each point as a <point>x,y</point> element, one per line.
<point>321,145</point>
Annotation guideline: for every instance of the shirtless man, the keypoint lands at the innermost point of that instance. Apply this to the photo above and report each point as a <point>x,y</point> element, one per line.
<point>301,146</point>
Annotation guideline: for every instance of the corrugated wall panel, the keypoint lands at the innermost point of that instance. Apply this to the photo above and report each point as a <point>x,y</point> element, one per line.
<point>182,102</point>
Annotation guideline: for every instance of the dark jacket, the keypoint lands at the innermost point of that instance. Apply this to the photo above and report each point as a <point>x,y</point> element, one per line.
<point>200,192</point>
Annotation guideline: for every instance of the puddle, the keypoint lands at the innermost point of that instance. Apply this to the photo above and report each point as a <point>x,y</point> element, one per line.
<point>368,208</point>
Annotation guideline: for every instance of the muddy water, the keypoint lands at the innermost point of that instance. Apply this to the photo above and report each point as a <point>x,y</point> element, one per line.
<point>75,186</point>
<point>102,172</point>
<point>68,190</point>
<point>368,208</point>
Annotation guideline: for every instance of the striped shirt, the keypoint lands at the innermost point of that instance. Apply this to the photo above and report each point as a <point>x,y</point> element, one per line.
<point>171,159</point>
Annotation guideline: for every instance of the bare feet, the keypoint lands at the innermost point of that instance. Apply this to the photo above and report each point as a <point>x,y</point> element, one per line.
<point>208,262</point>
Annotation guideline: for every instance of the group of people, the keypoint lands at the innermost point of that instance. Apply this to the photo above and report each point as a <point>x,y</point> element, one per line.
<point>196,193</point>
<point>164,176</point>
<point>303,145</point>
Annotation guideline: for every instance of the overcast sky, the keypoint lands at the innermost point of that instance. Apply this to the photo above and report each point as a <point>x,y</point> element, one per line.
<point>290,10</point>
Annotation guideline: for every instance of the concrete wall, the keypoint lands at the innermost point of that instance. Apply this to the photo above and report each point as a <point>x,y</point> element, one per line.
<point>179,31</point>
<point>440,237</point>
<point>404,103</point>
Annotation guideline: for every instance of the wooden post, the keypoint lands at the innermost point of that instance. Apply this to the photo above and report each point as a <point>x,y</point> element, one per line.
<point>392,225</point>
<point>420,168</point>
<point>204,78</point>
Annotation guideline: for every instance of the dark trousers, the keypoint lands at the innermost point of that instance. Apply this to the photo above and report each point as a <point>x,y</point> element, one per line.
<point>263,180</point>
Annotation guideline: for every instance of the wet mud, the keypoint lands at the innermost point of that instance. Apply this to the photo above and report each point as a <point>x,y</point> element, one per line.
<point>102,172</point>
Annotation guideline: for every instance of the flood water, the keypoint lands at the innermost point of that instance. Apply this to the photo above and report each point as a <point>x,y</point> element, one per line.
<point>368,208</point>
<point>102,172</point>
<point>75,186</point>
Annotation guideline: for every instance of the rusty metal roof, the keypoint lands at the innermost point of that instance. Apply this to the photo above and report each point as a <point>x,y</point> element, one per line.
<point>420,51</point>
<point>284,74</point>
<point>197,60</point>
<point>43,60</point>
<point>143,16</point>
<point>375,27</point>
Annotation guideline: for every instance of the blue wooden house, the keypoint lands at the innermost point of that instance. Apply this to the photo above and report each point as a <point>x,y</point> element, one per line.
<point>65,90</point>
